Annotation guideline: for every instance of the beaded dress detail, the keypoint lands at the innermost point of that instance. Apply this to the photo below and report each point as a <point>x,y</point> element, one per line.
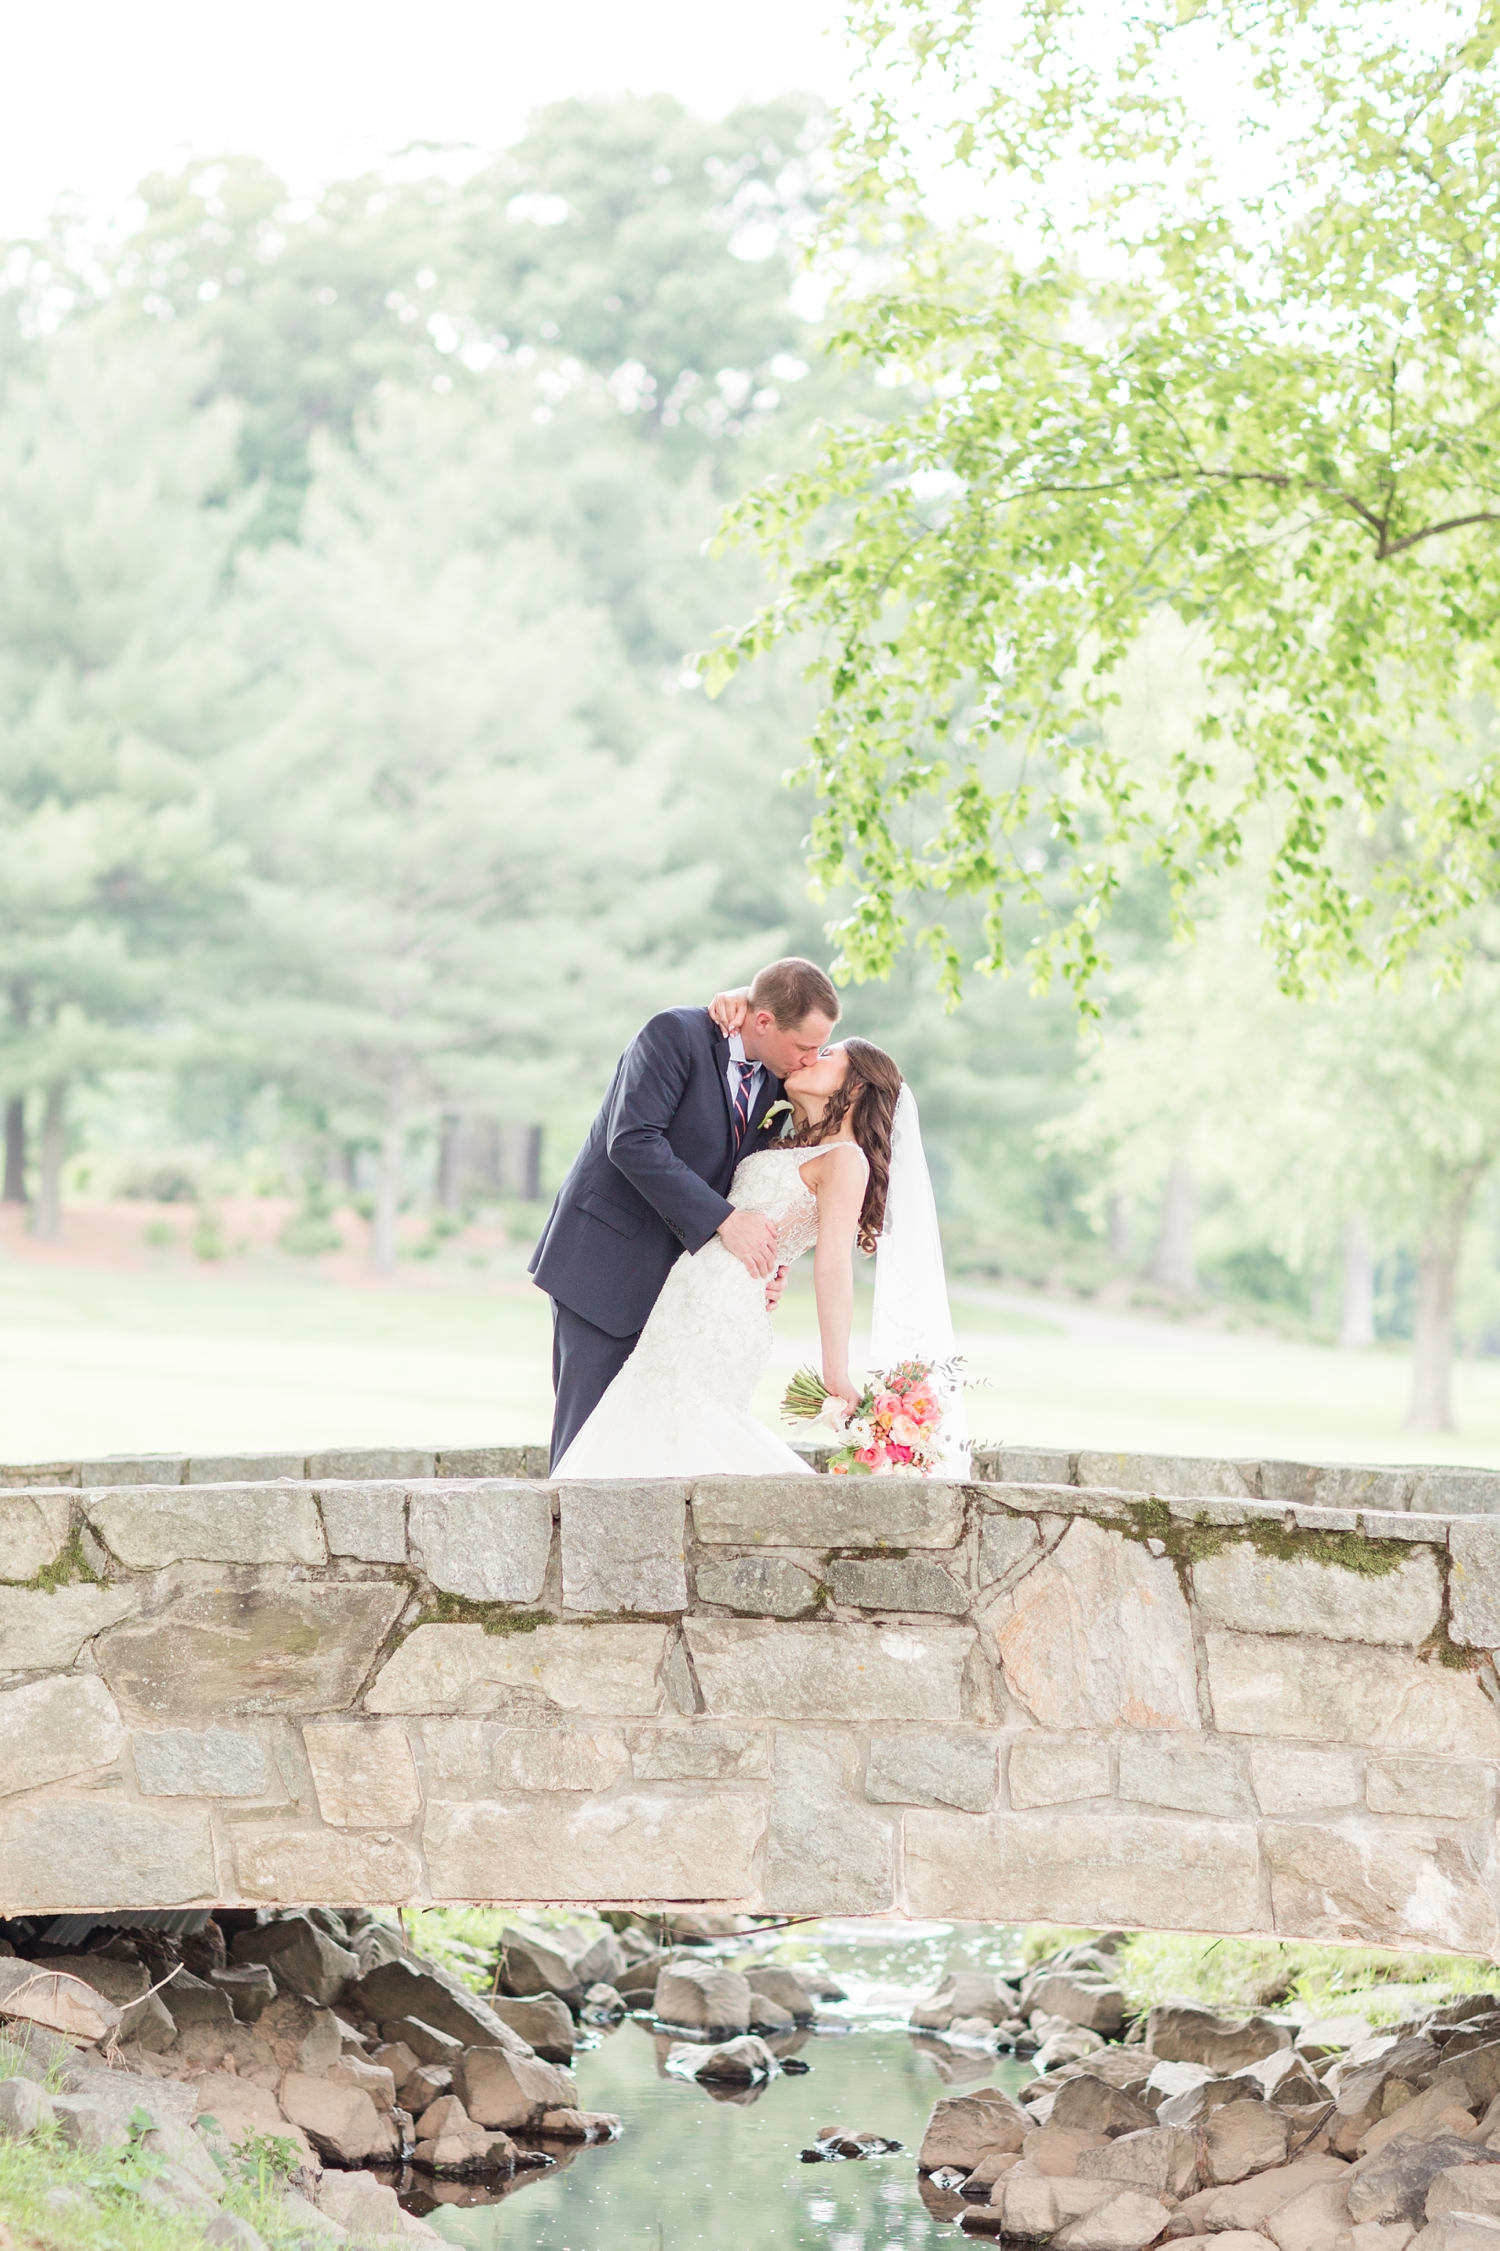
<point>680,1406</point>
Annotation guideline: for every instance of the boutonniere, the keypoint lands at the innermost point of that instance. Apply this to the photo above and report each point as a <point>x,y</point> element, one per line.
<point>776,1110</point>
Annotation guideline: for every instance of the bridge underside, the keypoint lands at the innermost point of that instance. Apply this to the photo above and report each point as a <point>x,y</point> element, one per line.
<point>1042,1701</point>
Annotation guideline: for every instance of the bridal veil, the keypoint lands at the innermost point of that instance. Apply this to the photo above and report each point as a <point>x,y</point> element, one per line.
<point>912,1319</point>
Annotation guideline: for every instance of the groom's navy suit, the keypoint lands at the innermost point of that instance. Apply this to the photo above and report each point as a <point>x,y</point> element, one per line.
<point>650,1182</point>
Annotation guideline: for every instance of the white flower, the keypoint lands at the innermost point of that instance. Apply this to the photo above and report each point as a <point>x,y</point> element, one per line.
<point>776,1110</point>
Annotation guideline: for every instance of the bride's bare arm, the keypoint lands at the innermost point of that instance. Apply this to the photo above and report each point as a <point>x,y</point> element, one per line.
<point>837,1178</point>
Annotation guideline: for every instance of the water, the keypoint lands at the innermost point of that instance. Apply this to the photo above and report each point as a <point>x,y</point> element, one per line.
<point>691,2170</point>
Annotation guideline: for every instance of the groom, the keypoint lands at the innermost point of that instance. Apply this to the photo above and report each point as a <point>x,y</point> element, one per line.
<point>651,1180</point>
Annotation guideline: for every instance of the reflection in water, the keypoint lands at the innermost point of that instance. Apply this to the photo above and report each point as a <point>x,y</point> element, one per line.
<point>721,2166</point>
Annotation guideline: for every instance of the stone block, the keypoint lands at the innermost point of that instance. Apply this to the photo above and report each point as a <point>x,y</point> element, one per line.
<point>218,1763</point>
<point>51,1729</point>
<point>283,1865</point>
<point>1342,1693</point>
<point>132,1469</point>
<point>763,1586</point>
<point>897,1583</point>
<point>1439,1788</point>
<point>149,1526</point>
<point>492,1461</point>
<point>365,1521</point>
<point>610,1671</point>
<point>33,1532</point>
<point>1474,1582</point>
<point>1193,1773</point>
<point>1053,1771</point>
<point>364,1774</point>
<point>1294,1782</point>
<point>551,1758</point>
<point>1098,1635</point>
<point>952,1769</point>
<point>488,1542</point>
<point>54,1852</point>
<point>826,1853</point>
<point>361,1465</point>
<point>240,1469</point>
<point>1287,1481</point>
<point>1355,1485</point>
<point>622,1547</point>
<point>1247,1592</point>
<point>829,1672</point>
<point>1025,1465</point>
<point>705,1753</point>
<point>213,1651</point>
<point>1368,1883</point>
<point>1086,1868</point>
<point>638,1844</point>
<point>1006,1543</point>
<point>1165,1475</point>
<point>834,1512</point>
<point>43,1633</point>
<point>1454,1492</point>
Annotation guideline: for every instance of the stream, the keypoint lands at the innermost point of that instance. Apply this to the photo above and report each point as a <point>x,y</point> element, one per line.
<point>691,2169</point>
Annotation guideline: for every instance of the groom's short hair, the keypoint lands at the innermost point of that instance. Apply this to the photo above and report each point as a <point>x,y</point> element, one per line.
<point>793,990</point>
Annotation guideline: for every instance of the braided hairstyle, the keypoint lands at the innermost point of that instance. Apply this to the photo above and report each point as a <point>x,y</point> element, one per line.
<point>867,1098</point>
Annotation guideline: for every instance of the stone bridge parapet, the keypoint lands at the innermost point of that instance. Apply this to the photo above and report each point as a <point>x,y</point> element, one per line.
<point>1008,1700</point>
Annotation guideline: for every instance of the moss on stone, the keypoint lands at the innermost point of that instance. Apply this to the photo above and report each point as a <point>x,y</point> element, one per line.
<point>454,1610</point>
<point>1287,1541</point>
<point>66,1569</point>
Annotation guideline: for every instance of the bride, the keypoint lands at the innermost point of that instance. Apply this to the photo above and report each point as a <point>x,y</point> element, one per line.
<point>680,1406</point>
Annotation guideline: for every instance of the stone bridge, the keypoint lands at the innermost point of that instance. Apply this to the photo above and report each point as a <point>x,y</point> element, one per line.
<point>1215,1696</point>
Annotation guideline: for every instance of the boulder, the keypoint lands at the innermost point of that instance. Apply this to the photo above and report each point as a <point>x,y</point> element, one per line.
<point>544,2022</point>
<point>445,2116</point>
<point>965,1993</point>
<point>1182,2032</point>
<point>56,2001</point>
<point>579,2125</point>
<point>1031,2204</point>
<point>965,2129</point>
<point>423,2086</point>
<point>377,2080</point>
<point>1160,2160</point>
<point>87,2124</point>
<point>301,2036</point>
<point>395,2057</point>
<point>1060,2042</point>
<point>602,1963</point>
<point>1126,2223</point>
<point>1194,2105</point>
<point>1465,2188</point>
<point>425,2041</point>
<point>1250,2203</point>
<point>1242,2138</point>
<point>301,1957</point>
<point>341,2122</point>
<point>1458,2231</point>
<point>1284,2078</point>
<point>1055,2150</point>
<point>1393,2182</point>
<point>360,2203</point>
<point>1440,2109</point>
<point>23,2108</point>
<point>249,1988</point>
<point>602,2004</point>
<point>226,2231</point>
<point>449,2141</point>
<point>785,1988</point>
<point>1094,2002</point>
<point>144,2016</point>
<point>197,2006</point>
<point>181,2147</point>
<point>400,1989</point>
<point>1311,2221</point>
<point>1098,2108</point>
<point>703,1996</point>
<point>732,2063</point>
<point>528,1965</point>
<point>770,2016</point>
<point>498,2087</point>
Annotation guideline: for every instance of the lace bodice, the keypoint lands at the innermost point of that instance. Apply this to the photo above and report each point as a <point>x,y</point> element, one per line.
<point>771,1181</point>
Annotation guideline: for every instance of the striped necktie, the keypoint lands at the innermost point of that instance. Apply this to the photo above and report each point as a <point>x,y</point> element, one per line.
<point>747,1073</point>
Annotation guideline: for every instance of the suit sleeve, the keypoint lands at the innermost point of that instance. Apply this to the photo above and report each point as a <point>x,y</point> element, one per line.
<point>652,1081</point>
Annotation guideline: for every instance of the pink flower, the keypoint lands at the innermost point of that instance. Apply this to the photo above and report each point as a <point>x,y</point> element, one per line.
<point>899,1453</point>
<point>838,1469</point>
<point>887,1403</point>
<point>869,1455</point>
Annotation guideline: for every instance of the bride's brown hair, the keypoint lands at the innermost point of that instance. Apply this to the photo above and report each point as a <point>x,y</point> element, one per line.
<point>867,1098</point>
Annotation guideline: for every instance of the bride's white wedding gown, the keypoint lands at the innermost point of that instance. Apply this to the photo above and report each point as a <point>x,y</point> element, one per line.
<point>680,1406</point>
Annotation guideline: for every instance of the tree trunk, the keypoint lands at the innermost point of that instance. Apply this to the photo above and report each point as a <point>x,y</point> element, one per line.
<point>15,1151</point>
<point>46,1222</point>
<point>385,1241</point>
<point>1357,1312</point>
<point>450,1164</point>
<point>1173,1266</point>
<point>1432,1343</point>
<point>519,1149</point>
<point>1119,1229</point>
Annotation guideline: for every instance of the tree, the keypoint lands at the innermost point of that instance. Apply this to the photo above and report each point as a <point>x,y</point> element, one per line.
<point>115,690</point>
<point>1242,376</point>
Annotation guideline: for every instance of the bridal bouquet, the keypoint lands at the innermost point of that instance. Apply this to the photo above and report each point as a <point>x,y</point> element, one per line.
<point>896,1429</point>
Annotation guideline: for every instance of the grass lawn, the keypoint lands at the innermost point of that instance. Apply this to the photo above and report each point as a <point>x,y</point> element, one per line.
<point>110,1348</point>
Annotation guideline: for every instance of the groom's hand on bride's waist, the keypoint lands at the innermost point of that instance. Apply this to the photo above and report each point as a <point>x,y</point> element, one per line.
<point>775,1287</point>
<point>750,1237</point>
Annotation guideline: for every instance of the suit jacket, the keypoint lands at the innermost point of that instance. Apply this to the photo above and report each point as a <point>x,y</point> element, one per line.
<point>652,1179</point>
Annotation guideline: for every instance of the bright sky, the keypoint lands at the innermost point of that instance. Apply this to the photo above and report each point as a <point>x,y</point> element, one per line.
<point>94,94</point>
